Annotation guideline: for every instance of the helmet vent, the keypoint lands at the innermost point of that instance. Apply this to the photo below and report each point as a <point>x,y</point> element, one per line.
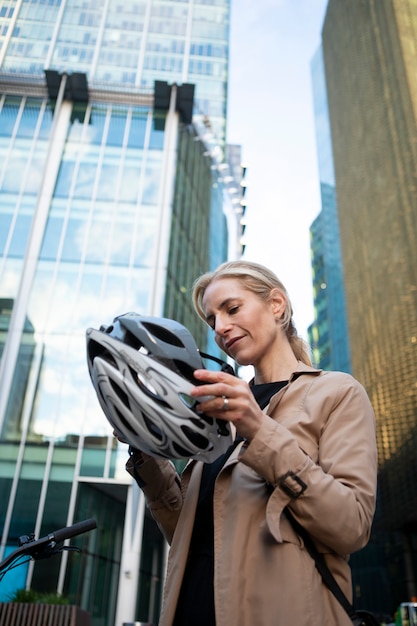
<point>163,334</point>
<point>197,423</point>
<point>188,400</point>
<point>185,370</point>
<point>152,428</point>
<point>95,349</point>
<point>123,420</point>
<point>148,388</point>
<point>198,440</point>
<point>120,393</point>
<point>131,340</point>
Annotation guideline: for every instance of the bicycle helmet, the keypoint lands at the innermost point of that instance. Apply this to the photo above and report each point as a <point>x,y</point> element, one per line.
<point>142,370</point>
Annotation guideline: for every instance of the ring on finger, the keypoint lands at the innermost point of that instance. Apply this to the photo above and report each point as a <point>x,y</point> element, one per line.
<point>225,403</point>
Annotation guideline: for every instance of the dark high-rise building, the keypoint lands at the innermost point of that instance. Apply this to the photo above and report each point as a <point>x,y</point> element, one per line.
<point>115,194</point>
<point>370,56</point>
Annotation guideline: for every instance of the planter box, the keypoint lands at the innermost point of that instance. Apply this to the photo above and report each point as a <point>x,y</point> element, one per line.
<point>25,614</point>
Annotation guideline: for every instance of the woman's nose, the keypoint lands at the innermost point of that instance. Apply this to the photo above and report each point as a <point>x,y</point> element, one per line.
<point>221,326</point>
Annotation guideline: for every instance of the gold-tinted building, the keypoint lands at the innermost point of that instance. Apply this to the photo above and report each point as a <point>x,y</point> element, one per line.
<point>370,58</point>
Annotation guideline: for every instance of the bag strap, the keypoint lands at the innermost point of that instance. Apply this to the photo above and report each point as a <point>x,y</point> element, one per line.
<point>323,569</point>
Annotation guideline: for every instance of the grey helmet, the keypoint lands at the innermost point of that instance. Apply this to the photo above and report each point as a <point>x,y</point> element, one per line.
<point>142,370</point>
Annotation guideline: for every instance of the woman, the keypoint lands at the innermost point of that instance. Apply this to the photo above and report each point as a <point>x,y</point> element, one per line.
<point>305,443</point>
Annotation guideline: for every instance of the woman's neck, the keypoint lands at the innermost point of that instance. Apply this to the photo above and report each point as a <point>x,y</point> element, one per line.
<point>278,370</point>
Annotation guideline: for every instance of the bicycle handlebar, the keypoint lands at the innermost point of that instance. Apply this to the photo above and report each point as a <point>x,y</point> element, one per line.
<point>35,547</point>
<point>72,531</point>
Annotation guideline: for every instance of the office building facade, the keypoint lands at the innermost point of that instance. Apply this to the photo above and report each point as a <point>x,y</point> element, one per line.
<point>370,57</point>
<point>328,335</point>
<point>115,194</point>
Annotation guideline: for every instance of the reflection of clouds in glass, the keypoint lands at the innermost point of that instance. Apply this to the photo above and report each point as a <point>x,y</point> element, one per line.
<point>10,278</point>
<point>34,174</point>
<point>51,304</point>
<point>71,304</point>
<point>16,164</point>
<point>66,401</point>
<point>64,178</point>
<point>130,184</point>
<point>85,181</point>
<point>101,234</point>
<point>152,188</point>
<point>107,186</point>
<point>145,240</point>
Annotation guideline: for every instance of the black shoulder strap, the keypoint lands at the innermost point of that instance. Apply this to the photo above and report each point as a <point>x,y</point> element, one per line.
<point>321,565</point>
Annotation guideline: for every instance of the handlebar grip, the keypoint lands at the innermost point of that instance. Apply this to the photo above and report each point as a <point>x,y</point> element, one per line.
<point>72,531</point>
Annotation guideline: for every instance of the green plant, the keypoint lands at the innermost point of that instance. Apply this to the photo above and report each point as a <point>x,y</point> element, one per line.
<point>36,597</point>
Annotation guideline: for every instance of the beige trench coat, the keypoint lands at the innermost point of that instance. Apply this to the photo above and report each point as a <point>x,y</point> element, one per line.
<point>318,451</point>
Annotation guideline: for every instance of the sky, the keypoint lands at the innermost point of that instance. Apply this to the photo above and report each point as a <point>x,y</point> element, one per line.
<point>271,115</point>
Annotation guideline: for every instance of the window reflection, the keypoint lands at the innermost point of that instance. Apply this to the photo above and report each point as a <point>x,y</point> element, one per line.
<point>20,235</point>
<point>73,241</point>
<point>137,130</point>
<point>64,180</point>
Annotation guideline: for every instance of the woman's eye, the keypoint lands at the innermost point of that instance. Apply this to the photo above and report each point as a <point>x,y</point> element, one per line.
<point>233,310</point>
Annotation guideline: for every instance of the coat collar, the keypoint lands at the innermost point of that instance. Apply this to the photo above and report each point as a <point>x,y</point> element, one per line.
<point>302,368</point>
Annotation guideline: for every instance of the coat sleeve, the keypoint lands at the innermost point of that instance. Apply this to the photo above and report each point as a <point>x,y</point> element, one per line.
<point>161,486</point>
<point>329,486</point>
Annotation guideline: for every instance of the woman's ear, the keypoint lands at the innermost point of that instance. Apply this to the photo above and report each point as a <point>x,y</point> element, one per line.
<point>278,302</point>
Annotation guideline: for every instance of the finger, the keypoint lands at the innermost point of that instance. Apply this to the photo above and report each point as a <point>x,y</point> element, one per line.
<point>216,406</point>
<point>211,392</point>
<point>212,376</point>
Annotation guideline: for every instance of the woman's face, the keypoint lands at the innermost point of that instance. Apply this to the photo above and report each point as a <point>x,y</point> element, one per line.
<point>246,327</point>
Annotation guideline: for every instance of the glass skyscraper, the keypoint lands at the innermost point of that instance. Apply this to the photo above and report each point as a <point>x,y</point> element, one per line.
<point>369,61</point>
<point>328,335</point>
<point>115,194</point>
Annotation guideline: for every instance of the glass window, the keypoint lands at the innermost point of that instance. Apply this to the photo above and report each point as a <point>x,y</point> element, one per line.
<point>121,243</point>
<point>107,187</point>
<point>64,179</point>
<point>29,119</point>
<point>74,239</point>
<point>51,238</point>
<point>93,460</point>
<point>116,129</point>
<point>46,123</point>
<point>130,183</point>
<point>137,295</point>
<point>26,506</point>
<point>96,125</point>
<point>97,241</point>
<point>46,571</point>
<point>16,164</point>
<point>85,180</point>
<point>20,235</point>
<point>8,116</point>
<point>156,140</point>
<point>137,131</point>
<point>152,182</point>
<point>10,277</point>
<point>90,309</point>
<point>5,221</point>
<point>35,171</point>
<point>116,290</point>
<point>145,237</point>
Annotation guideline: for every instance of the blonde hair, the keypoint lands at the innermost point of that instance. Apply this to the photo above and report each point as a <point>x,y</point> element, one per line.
<point>261,281</point>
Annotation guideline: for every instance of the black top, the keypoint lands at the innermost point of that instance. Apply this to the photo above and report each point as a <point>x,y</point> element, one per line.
<point>196,601</point>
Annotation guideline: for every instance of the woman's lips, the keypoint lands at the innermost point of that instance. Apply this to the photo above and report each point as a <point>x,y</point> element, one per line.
<point>231,342</point>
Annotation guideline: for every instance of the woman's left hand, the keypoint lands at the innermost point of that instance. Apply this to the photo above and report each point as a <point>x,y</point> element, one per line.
<point>229,398</point>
